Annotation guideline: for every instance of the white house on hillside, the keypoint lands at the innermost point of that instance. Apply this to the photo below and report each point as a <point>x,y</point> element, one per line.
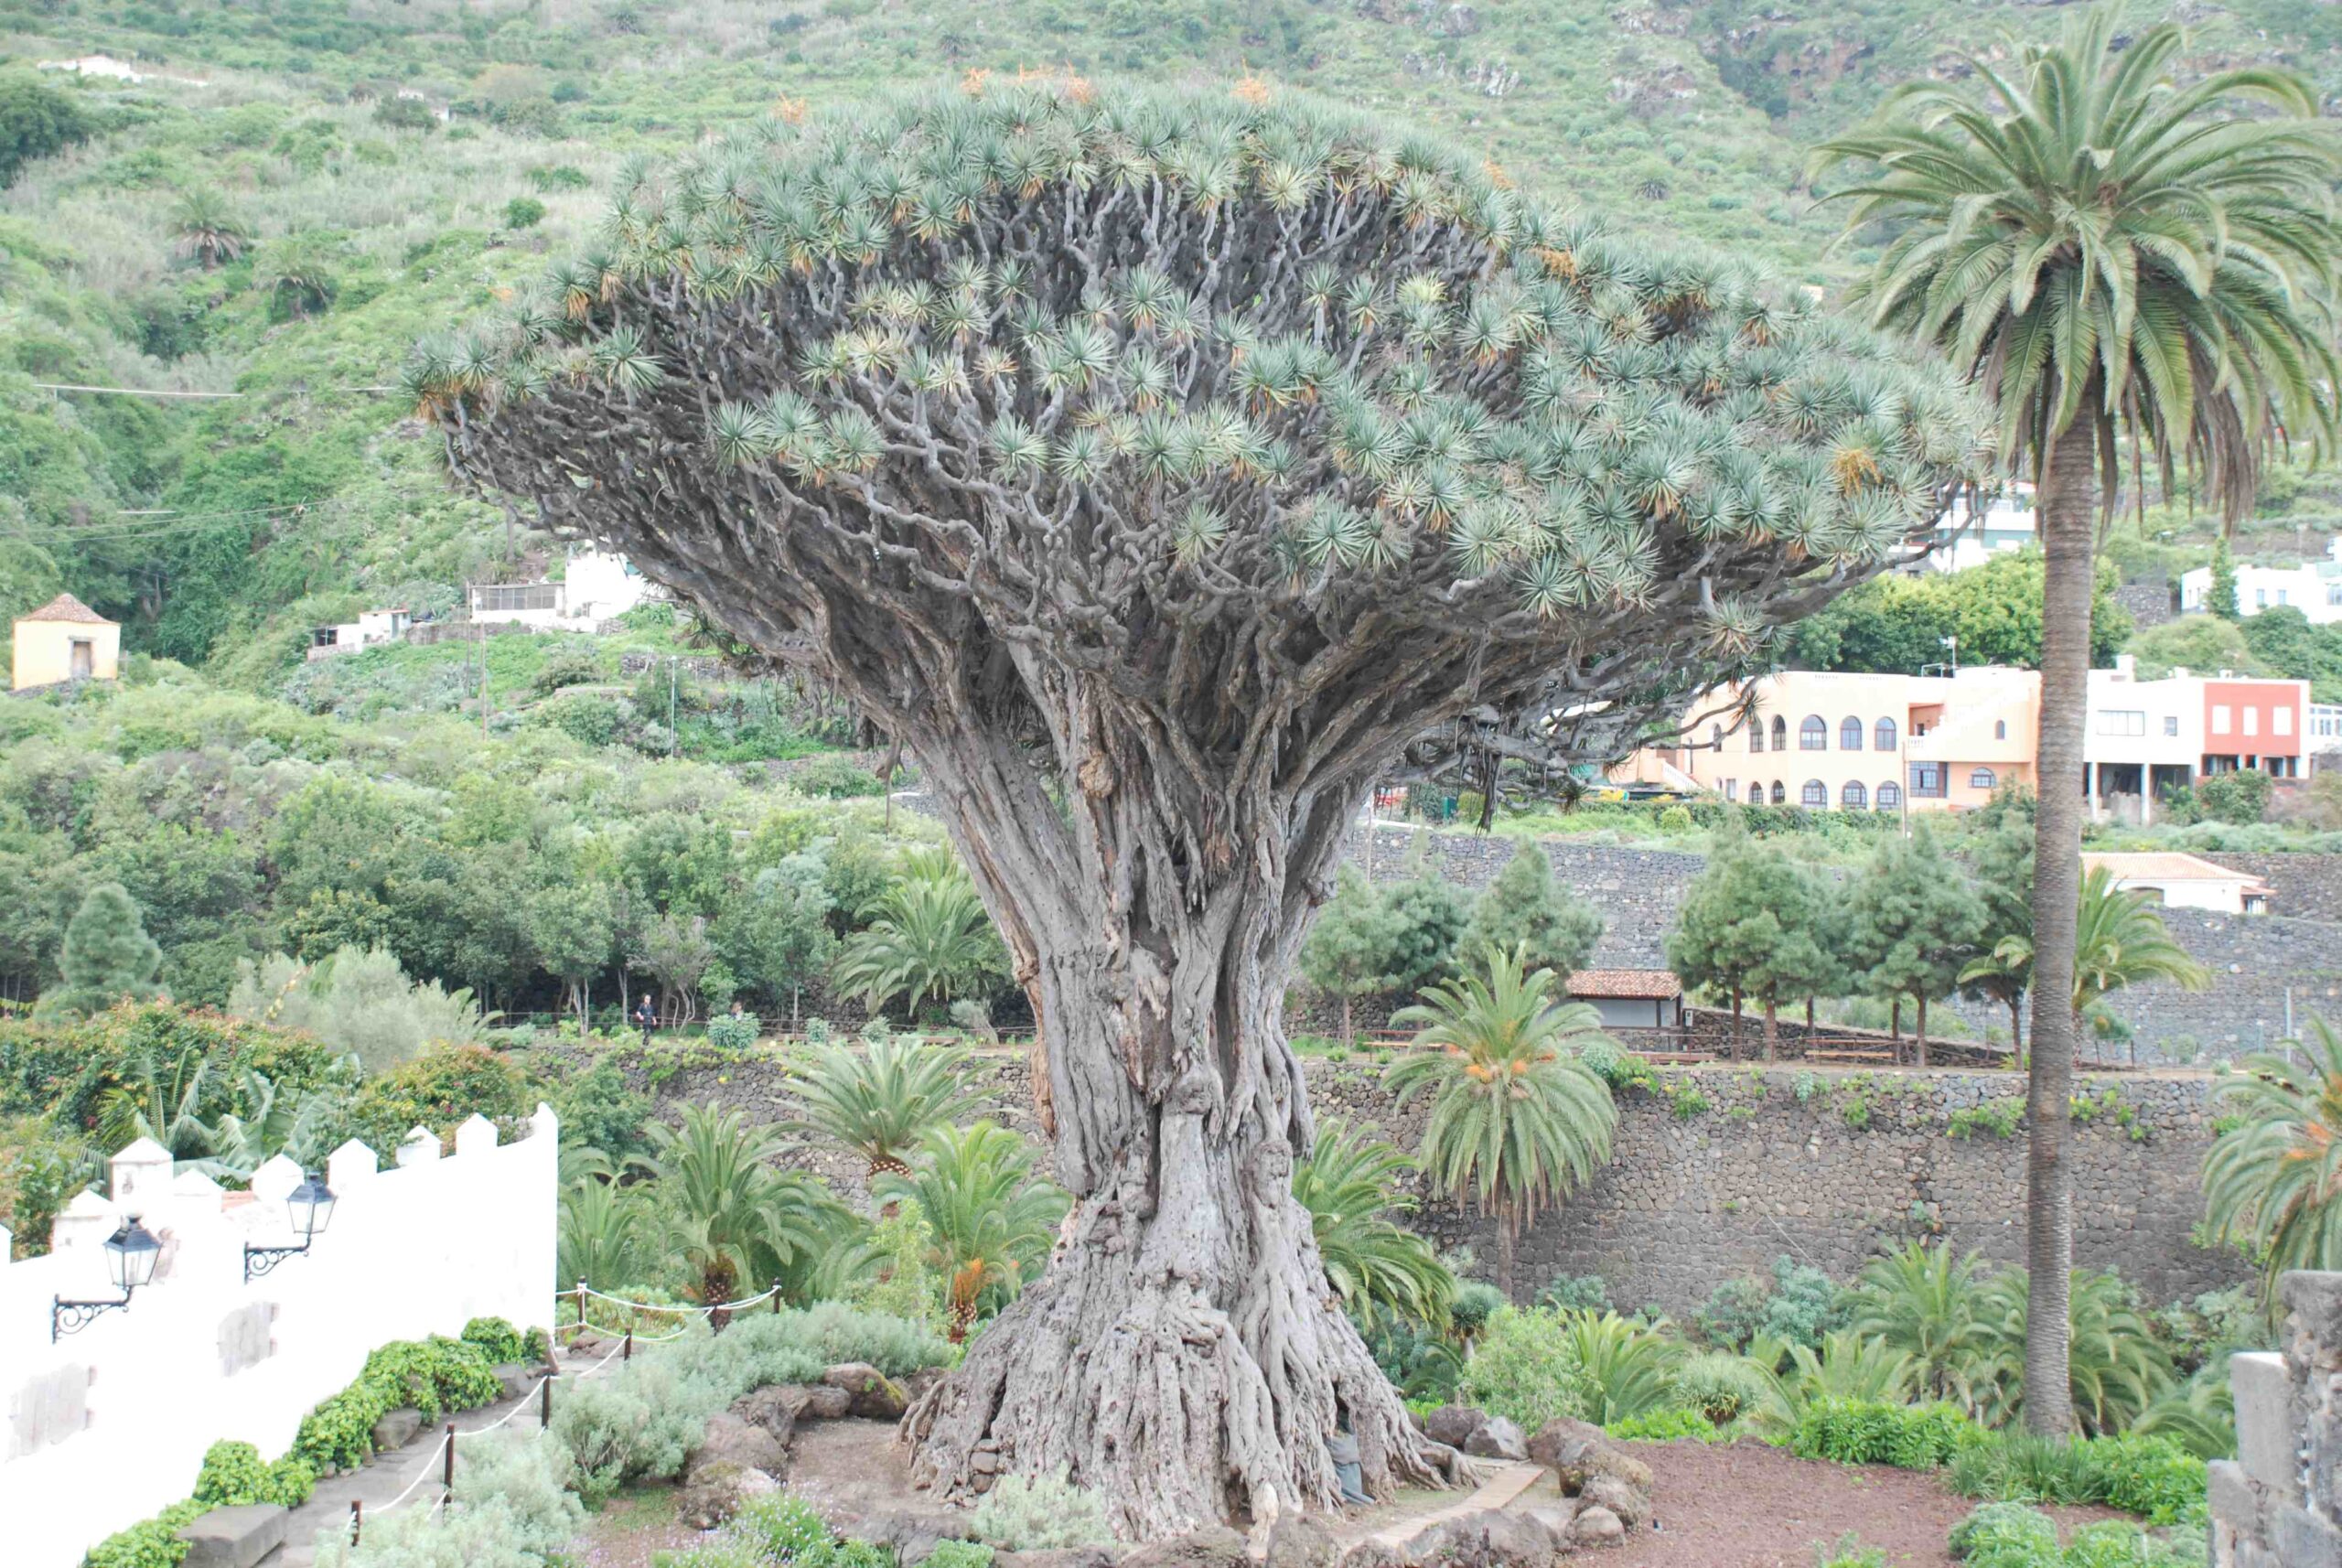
<point>2006,523</point>
<point>2313,587</point>
<point>595,586</point>
<point>2184,882</point>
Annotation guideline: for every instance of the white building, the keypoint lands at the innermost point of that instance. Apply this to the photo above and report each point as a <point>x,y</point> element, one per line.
<point>371,628</point>
<point>2144,738</point>
<point>1630,998</point>
<point>2184,882</point>
<point>2006,523</point>
<point>2313,587</point>
<point>595,586</point>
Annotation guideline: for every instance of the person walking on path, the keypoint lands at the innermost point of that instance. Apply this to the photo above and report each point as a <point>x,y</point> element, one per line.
<point>647,1016</point>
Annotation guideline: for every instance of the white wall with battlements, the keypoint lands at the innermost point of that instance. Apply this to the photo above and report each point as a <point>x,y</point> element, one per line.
<point>107,1426</point>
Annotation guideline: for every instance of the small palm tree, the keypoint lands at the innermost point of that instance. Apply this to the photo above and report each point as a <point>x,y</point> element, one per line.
<point>929,940</point>
<point>1379,1267</point>
<point>1922,1302</point>
<point>206,231</point>
<point>1625,1369</point>
<point>600,1233</point>
<point>1847,1365</point>
<point>2118,941</point>
<point>1517,1118</point>
<point>882,1102</point>
<point>297,274</point>
<point>721,1209</point>
<point>2117,1367</point>
<point>294,1123</point>
<point>163,1105</point>
<point>2104,250</point>
<point>991,1220</point>
<point>2272,1183</point>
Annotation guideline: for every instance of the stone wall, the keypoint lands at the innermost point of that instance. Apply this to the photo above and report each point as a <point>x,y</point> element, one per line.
<point>2302,887</point>
<point>1773,1165</point>
<point>2278,1504</point>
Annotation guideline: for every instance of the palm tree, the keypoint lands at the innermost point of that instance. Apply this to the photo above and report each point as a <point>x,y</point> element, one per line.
<point>1922,1302</point>
<point>882,1102</point>
<point>1847,1365</point>
<point>1379,1267</point>
<point>732,1218</point>
<point>2273,1184</point>
<point>206,231</point>
<point>1517,1118</point>
<point>1624,1368</point>
<point>167,1109</point>
<point>297,274</point>
<point>991,1219</point>
<point>2118,941</point>
<point>600,1233</point>
<point>2105,252</point>
<point>929,940</point>
<point>2117,1368</point>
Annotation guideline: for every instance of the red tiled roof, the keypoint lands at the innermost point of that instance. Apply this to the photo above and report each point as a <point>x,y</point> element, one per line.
<point>65,607</point>
<point>2165,865</point>
<point>1627,985</point>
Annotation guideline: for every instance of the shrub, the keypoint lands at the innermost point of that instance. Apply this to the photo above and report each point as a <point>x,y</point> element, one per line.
<point>1576,1293</point>
<point>434,1376</point>
<point>1524,1369</point>
<point>729,1034</point>
<point>2005,1535</point>
<point>1475,1302</point>
<point>438,1090</point>
<point>523,212</point>
<point>233,1475</point>
<point>960,1554</point>
<point>1040,1513</point>
<point>639,1425</point>
<point>531,1477</point>
<point>2151,1477</point>
<point>1665,1426</point>
<point>497,1340</point>
<point>1802,1307</point>
<point>1869,1431</point>
<point>1720,1387</point>
<point>1674,820</point>
<point>150,1543</point>
<point>782,1530</point>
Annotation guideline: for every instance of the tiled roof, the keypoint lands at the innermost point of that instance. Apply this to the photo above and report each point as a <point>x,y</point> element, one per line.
<point>1627,985</point>
<point>2163,866</point>
<point>65,607</point>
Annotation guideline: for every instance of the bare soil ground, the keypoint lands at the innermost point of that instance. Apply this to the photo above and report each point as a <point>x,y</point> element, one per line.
<point>1741,1505</point>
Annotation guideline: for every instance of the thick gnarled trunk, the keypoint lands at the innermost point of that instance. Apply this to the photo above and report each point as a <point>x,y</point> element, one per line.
<point>2067,491</point>
<point>1184,1350</point>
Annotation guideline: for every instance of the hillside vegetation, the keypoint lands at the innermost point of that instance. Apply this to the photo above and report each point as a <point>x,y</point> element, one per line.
<point>295,189</point>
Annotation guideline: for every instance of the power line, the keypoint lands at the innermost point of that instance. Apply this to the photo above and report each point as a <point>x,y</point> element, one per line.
<point>162,391</point>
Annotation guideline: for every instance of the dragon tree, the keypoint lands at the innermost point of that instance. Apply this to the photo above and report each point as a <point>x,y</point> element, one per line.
<point>1163,471</point>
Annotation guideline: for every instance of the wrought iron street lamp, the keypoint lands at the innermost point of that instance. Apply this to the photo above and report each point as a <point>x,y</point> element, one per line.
<point>310,1207</point>
<point>131,1253</point>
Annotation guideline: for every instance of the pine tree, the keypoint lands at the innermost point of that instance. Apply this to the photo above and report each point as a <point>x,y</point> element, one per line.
<point>1755,924</point>
<point>1914,919</point>
<point>2222,600</point>
<point>108,955</point>
<point>1525,909</point>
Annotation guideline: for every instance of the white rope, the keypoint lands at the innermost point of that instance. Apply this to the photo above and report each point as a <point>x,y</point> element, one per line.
<point>616,1350</point>
<point>660,1306</point>
<point>424,1475</point>
<point>508,1415</point>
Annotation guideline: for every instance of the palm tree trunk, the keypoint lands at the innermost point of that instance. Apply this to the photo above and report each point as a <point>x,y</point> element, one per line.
<point>2016,1029</point>
<point>2069,489</point>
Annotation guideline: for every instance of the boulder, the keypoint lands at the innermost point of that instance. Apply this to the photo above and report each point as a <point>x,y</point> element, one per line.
<point>1556,1517</point>
<point>1453,1424</point>
<point>518,1381</point>
<point>1298,1541</point>
<point>1484,1537</point>
<point>1373,1553</point>
<point>1215,1547</point>
<point>1577,1452</point>
<point>732,1440</point>
<point>912,1535</point>
<point>1596,1526</point>
<point>774,1408</point>
<point>871,1393</point>
<point>823,1403</point>
<point>1631,1504</point>
<point>713,1493</point>
<point>396,1429</point>
<point>235,1537</point>
<point>1497,1439</point>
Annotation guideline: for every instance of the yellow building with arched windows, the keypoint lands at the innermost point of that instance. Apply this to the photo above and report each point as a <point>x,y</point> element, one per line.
<point>64,639</point>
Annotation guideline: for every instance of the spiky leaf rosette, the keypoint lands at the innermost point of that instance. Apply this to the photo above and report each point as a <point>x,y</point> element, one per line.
<point>1205,394</point>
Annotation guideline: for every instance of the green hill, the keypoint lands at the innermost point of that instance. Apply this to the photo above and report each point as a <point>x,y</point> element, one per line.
<point>219,528</point>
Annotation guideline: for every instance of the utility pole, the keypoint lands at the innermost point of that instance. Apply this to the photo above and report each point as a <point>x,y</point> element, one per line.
<point>674,737</point>
<point>483,677</point>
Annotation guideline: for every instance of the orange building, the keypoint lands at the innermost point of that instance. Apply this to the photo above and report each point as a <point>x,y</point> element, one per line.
<point>1857,742</point>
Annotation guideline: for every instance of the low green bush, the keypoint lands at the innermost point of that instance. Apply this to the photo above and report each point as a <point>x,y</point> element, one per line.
<point>2151,1477</point>
<point>639,1424</point>
<point>512,1508</point>
<point>1721,1387</point>
<point>960,1554</point>
<point>730,1034</point>
<point>1040,1513</point>
<point>1871,1432</point>
<point>1667,1427</point>
<point>434,1376</point>
<point>234,1475</point>
<point>2015,1535</point>
<point>1524,1369</point>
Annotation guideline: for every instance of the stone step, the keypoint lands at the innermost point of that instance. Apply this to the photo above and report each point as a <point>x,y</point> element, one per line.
<point>1501,1490</point>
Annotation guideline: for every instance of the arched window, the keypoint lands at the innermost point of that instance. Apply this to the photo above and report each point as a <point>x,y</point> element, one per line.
<point>2000,729</point>
<point>1813,734</point>
<point>1849,735</point>
<point>1853,797</point>
<point>1890,794</point>
<point>1982,778</point>
<point>1780,733</point>
<point>1882,735</point>
<point>1815,794</point>
<point>1780,793</point>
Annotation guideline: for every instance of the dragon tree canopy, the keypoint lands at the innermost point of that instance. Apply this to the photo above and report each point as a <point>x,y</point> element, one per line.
<point>1163,469</point>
